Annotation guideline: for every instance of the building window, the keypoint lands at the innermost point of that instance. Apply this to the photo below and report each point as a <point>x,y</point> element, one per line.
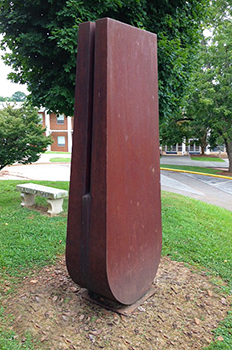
<point>61,141</point>
<point>60,119</point>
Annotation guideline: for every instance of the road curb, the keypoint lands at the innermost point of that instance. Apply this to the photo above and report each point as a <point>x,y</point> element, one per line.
<point>197,173</point>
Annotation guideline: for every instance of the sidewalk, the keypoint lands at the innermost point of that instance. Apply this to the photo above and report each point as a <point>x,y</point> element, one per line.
<point>186,160</point>
<point>43,169</point>
<point>45,157</point>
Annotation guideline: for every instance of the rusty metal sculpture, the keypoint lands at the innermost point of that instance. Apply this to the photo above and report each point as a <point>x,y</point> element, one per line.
<point>114,221</point>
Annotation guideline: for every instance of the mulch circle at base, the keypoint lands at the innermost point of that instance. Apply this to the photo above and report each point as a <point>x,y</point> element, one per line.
<point>181,314</point>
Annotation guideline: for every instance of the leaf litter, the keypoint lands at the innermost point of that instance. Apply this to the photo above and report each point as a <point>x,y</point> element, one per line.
<point>182,314</point>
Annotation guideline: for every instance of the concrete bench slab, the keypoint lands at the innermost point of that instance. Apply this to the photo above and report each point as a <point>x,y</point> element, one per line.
<point>54,196</point>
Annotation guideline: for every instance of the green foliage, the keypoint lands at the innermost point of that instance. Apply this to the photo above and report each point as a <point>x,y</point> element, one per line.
<point>22,138</point>
<point>174,130</point>
<point>43,39</point>
<point>206,114</point>
<point>18,96</point>
<point>210,101</point>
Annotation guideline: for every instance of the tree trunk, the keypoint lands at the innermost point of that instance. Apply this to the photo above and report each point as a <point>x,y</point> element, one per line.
<point>203,144</point>
<point>229,153</point>
<point>202,149</point>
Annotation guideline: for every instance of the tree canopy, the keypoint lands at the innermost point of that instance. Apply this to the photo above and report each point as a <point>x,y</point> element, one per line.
<point>210,101</point>
<point>42,37</point>
<point>18,96</point>
<point>22,138</point>
<point>206,111</point>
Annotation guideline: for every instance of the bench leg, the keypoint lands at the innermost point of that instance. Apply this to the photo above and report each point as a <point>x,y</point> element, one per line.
<point>55,206</point>
<point>27,199</point>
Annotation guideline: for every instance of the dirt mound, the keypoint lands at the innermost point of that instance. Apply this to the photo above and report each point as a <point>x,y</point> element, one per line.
<point>181,314</point>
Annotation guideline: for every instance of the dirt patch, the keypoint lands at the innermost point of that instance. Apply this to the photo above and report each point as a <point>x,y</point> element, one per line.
<point>40,208</point>
<point>224,173</point>
<point>181,314</point>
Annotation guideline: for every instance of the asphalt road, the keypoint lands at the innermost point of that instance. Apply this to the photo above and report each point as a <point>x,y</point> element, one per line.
<point>208,189</point>
<point>213,190</point>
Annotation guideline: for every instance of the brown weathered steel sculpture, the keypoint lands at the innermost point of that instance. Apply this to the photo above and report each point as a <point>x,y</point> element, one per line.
<point>114,222</point>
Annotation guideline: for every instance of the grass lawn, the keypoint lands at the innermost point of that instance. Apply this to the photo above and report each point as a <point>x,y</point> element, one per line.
<point>60,160</point>
<point>54,152</point>
<point>200,234</point>
<point>28,238</point>
<point>191,168</point>
<point>197,233</point>
<point>196,169</point>
<point>207,159</point>
<point>194,232</point>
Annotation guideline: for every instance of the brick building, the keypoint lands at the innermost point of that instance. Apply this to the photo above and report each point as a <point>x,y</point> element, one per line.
<point>60,128</point>
<point>191,147</point>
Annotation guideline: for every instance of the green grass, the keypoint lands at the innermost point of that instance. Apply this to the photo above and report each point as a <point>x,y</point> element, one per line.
<point>9,342</point>
<point>196,169</point>
<point>224,330</point>
<point>60,160</point>
<point>28,238</point>
<point>200,234</point>
<point>56,152</point>
<point>207,159</point>
<point>194,232</point>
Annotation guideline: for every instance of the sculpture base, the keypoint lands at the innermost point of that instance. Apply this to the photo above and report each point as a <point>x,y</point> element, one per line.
<point>108,304</point>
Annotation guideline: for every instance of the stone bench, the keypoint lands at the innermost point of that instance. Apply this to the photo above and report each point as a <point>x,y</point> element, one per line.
<point>54,196</point>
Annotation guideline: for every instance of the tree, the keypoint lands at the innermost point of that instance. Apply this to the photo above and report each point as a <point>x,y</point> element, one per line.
<point>18,96</point>
<point>211,102</point>
<point>42,37</point>
<point>193,118</point>
<point>22,138</point>
<point>198,101</point>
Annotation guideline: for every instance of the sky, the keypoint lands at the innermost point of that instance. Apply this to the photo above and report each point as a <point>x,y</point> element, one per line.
<point>7,89</point>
